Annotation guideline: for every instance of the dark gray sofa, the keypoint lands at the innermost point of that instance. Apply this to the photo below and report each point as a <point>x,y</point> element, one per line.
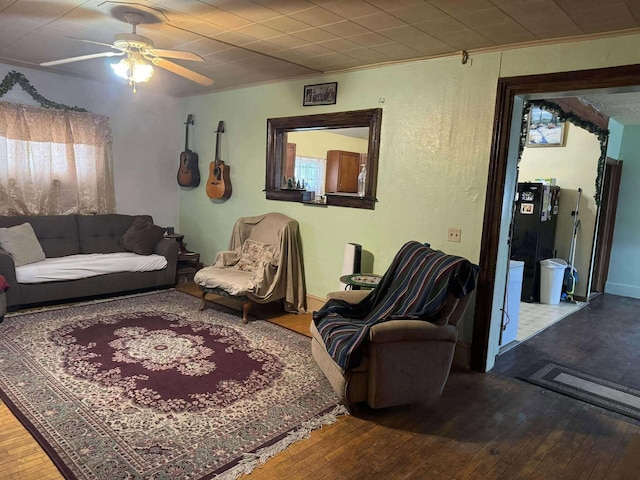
<point>61,235</point>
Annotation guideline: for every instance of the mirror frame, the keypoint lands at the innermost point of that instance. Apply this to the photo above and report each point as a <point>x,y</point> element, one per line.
<point>277,129</point>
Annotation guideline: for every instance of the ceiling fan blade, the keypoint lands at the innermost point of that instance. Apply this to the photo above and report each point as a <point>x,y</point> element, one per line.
<point>81,57</point>
<point>95,43</point>
<point>182,71</point>
<point>175,54</point>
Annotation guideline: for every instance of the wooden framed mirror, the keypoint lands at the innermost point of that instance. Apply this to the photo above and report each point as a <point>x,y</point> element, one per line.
<point>339,159</point>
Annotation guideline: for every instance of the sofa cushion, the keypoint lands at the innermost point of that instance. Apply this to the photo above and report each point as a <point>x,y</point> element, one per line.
<point>21,243</point>
<point>57,234</point>
<point>142,237</point>
<point>74,267</point>
<point>232,282</point>
<point>102,233</point>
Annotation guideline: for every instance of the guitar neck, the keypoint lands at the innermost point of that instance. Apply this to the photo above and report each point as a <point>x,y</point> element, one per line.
<point>220,130</point>
<point>217,157</point>
<point>186,132</point>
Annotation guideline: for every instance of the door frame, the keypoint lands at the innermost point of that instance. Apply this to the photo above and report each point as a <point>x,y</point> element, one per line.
<point>606,224</point>
<point>603,80</point>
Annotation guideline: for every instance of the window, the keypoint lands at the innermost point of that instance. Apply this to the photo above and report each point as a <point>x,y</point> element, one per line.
<point>57,162</point>
<point>311,171</point>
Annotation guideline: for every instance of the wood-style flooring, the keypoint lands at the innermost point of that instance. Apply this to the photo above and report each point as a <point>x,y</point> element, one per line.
<point>601,339</point>
<point>484,426</point>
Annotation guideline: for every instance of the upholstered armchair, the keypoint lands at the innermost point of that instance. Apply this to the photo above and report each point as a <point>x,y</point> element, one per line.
<point>395,345</point>
<point>263,264</point>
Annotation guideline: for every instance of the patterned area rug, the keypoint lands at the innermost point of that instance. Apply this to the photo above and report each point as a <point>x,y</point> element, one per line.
<point>596,391</point>
<point>149,387</point>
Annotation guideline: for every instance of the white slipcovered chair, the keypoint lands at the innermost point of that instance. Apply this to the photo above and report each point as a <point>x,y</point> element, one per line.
<point>263,264</point>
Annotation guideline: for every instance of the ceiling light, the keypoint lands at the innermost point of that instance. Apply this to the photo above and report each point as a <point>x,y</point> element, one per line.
<point>133,68</point>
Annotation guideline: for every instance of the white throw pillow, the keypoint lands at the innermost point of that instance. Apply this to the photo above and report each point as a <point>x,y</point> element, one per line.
<point>22,244</point>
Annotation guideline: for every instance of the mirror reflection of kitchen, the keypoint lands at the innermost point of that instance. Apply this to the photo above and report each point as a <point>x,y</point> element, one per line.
<point>327,161</point>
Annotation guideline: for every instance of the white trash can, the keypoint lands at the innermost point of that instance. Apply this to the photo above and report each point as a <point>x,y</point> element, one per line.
<point>551,278</point>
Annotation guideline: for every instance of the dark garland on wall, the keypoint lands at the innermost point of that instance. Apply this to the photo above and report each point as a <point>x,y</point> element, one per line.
<point>601,133</point>
<point>14,77</point>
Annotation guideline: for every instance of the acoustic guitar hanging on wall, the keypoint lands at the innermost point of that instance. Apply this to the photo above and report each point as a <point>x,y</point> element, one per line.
<point>218,184</point>
<point>188,173</point>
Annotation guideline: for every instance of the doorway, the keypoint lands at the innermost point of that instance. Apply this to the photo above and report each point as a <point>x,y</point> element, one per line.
<point>511,93</point>
<point>555,215</point>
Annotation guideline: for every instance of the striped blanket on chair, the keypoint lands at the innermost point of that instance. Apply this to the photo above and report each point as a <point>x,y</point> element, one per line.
<point>414,287</point>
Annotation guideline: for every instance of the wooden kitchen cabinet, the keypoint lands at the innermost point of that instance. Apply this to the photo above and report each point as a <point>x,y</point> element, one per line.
<point>342,171</point>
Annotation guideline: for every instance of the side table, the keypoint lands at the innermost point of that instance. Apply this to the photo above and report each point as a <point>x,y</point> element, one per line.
<point>188,262</point>
<point>188,265</point>
<point>355,281</point>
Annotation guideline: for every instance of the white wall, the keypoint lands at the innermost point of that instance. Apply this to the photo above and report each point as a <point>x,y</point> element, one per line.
<point>147,137</point>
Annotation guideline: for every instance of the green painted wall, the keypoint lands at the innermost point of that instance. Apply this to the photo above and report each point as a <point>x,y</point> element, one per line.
<point>436,129</point>
<point>624,268</point>
<point>437,126</point>
<point>616,131</point>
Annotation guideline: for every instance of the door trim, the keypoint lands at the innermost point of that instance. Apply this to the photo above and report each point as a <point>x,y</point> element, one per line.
<point>606,224</point>
<point>605,80</point>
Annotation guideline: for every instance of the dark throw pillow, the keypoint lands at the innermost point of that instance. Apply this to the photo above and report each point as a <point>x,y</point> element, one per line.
<point>142,237</point>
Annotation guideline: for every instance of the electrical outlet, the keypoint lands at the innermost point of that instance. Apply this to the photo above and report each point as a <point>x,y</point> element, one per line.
<point>454,235</point>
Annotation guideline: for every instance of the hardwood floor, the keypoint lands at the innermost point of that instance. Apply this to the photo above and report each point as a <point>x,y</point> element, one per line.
<point>601,339</point>
<point>484,426</point>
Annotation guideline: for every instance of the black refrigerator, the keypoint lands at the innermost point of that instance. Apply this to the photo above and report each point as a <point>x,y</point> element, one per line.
<point>534,231</point>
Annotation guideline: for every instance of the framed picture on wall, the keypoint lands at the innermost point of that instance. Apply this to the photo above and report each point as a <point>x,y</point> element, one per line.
<point>545,129</point>
<point>320,94</point>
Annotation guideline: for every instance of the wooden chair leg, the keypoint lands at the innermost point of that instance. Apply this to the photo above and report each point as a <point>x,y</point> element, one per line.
<point>246,306</point>
<point>204,302</point>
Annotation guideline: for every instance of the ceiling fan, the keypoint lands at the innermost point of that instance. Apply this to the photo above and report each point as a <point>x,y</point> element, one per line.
<point>136,50</point>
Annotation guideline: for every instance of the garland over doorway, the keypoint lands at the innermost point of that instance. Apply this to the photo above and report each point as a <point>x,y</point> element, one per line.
<point>577,120</point>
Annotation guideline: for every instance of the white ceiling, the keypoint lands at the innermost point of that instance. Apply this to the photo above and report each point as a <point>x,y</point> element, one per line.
<point>247,42</point>
<point>623,107</point>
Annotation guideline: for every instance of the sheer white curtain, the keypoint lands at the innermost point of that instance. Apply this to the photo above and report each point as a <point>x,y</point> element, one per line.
<point>54,162</point>
<point>312,170</point>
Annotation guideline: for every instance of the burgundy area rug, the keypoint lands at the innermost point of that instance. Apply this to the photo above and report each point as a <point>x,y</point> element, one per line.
<point>149,387</point>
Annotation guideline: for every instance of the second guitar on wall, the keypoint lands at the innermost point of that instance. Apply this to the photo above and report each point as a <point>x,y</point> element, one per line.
<point>218,183</point>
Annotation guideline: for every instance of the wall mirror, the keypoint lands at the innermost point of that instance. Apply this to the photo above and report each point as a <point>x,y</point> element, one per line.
<point>324,154</point>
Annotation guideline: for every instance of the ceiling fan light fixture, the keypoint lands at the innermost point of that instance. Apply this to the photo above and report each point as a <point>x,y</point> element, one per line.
<point>139,55</point>
<point>141,71</point>
<point>134,69</point>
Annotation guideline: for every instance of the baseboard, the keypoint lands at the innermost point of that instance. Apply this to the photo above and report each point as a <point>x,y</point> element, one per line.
<point>314,303</point>
<point>622,289</point>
